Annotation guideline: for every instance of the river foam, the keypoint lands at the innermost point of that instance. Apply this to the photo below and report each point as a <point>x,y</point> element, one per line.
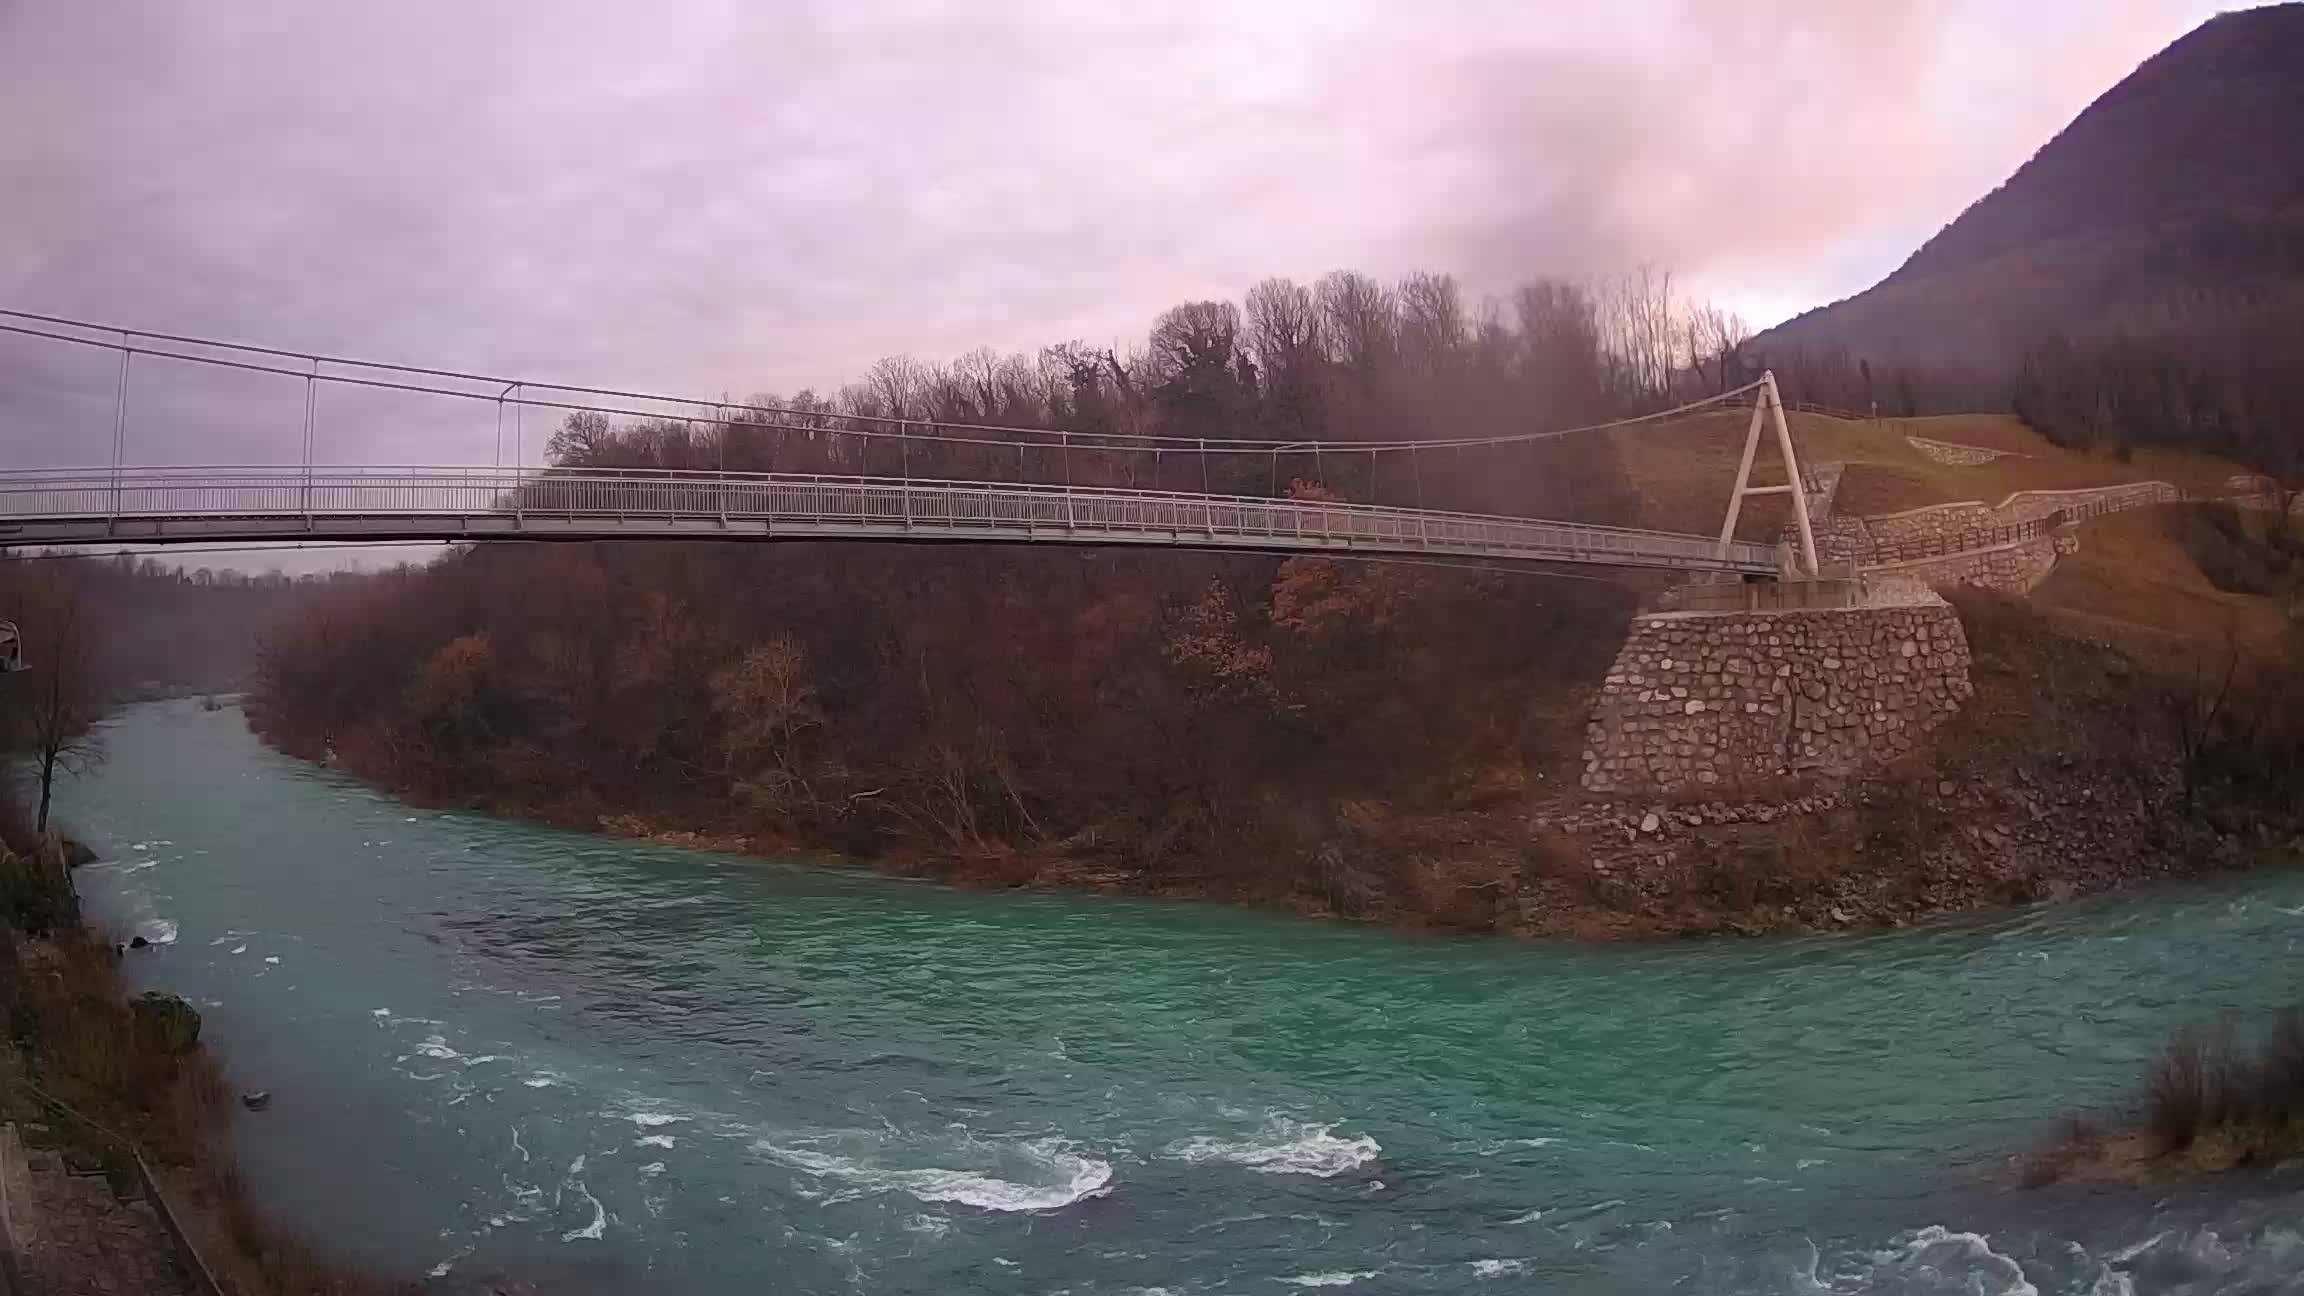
<point>1051,1174</point>
<point>1927,1260</point>
<point>1283,1146</point>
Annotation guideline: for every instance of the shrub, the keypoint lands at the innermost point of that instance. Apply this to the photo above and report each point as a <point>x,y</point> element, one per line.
<point>2210,1083</point>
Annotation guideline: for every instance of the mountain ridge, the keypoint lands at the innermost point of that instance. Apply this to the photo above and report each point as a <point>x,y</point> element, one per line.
<point>2180,184</point>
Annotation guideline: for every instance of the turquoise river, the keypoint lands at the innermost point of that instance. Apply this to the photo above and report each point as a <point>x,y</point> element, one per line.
<point>606,1067</point>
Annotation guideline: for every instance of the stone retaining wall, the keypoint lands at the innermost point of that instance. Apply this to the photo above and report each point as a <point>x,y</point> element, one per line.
<point>1951,528</point>
<point>2017,567</point>
<point>1843,539</point>
<point>1822,487</point>
<point>1710,702</point>
<point>1959,456</point>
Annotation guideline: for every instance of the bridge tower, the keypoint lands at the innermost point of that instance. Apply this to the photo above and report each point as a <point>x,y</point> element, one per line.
<point>1769,406</point>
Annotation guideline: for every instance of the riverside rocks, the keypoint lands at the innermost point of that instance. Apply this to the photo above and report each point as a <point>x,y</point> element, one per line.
<point>165,1022</point>
<point>2046,829</point>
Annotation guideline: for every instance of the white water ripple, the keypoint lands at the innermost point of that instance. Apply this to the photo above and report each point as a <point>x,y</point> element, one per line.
<point>1058,1176</point>
<point>1282,1147</point>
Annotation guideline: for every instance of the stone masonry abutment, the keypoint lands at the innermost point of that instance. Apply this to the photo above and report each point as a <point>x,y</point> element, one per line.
<point>1699,703</point>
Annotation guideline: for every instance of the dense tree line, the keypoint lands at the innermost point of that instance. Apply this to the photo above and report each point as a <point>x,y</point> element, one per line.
<point>1173,713</point>
<point>180,628</point>
<point>2219,375</point>
<point>2209,371</point>
<point>1160,711</point>
<point>93,630</point>
<point>1347,361</point>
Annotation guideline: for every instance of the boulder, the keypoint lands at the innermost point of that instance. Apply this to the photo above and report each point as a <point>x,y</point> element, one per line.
<point>164,1022</point>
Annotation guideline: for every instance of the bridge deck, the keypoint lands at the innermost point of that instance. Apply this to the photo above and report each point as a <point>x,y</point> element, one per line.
<point>177,504</point>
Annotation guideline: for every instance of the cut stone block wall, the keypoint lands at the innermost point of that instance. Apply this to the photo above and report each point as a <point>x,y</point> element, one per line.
<point>1822,483</point>
<point>2014,568</point>
<point>1844,539</point>
<point>1703,702</point>
<point>1955,530</point>
<point>1951,528</point>
<point>1959,456</point>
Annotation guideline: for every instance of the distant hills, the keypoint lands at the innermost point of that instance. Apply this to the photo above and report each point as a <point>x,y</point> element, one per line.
<point>2182,185</point>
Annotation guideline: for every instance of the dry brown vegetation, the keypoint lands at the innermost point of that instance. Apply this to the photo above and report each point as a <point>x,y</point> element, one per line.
<point>2212,1101</point>
<point>1153,720</point>
<point>1162,720</point>
<point>1681,482</point>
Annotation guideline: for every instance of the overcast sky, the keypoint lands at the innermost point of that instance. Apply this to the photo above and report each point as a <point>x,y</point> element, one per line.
<point>747,196</point>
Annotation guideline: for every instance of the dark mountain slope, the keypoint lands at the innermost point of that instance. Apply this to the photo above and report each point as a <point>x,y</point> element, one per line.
<point>2178,193</point>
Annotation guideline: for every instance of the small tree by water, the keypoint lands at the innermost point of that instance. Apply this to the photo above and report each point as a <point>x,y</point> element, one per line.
<point>51,709</point>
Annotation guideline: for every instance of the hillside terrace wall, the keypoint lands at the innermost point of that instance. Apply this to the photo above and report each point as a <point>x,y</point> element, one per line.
<point>1943,530</point>
<point>1952,528</point>
<point>1959,456</point>
<point>1699,702</point>
<point>2015,567</point>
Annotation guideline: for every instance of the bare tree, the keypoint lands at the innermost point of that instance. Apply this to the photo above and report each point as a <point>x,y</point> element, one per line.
<point>1283,323</point>
<point>2199,712</point>
<point>1196,337</point>
<point>583,440</point>
<point>765,701</point>
<point>1359,320</point>
<point>1637,328</point>
<point>1434,324</point>
<point>900,386</point>
<point>60,699</point>
<point>1715,341</point>
<point>1360,325</point>
<point>1560,337</point>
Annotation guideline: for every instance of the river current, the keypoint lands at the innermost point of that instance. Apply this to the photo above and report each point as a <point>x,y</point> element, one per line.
<point>611,1067</point>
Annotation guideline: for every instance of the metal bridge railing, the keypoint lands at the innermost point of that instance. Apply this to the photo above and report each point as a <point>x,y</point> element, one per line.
<point>197,1270</point>
<point>84,505</point>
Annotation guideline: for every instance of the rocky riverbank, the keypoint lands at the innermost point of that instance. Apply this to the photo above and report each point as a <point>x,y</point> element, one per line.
<point>2062,776</point>
<point>1937,837</point>
<point>103,1088</point>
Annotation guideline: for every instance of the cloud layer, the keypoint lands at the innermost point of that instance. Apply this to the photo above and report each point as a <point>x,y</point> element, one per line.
<point>732,196</point>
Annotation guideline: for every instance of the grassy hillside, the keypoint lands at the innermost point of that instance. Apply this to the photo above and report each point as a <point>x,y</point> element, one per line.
<point>2137,581</point>
<point>1680,476</point>
<point>2138,578</point>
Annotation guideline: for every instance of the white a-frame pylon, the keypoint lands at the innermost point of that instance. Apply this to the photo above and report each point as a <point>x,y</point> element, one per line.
<point>1768,406</point>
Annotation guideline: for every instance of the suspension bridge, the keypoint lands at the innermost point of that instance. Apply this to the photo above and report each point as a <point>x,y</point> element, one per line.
<point>1070,487</point>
